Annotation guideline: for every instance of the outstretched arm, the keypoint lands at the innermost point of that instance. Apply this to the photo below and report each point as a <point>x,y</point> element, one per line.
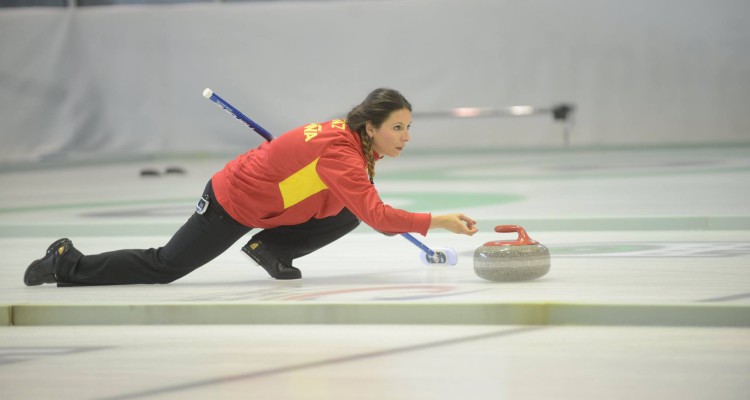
<point>456,223</point>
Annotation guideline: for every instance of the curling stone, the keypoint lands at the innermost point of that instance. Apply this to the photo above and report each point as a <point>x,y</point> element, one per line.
<point>175,171</point>
<point>147,172</point>
<point>522,259</point>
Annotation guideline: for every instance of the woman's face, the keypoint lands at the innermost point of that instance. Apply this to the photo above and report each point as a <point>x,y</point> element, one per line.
<point>390,139</point>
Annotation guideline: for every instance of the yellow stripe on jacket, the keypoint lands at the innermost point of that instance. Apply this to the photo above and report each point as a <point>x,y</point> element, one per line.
<point>301,185</point>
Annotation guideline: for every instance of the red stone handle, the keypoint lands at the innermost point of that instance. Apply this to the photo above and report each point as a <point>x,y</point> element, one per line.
<point>522,240</point>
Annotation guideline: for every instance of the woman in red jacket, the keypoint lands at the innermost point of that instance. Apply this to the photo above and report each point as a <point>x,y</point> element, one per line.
<point>305,189</point>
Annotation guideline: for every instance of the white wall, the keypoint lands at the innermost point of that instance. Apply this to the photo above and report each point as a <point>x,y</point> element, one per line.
<point>128,79</point>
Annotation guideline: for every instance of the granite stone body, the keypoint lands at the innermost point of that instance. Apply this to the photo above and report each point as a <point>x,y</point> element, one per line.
<point>511,263</point>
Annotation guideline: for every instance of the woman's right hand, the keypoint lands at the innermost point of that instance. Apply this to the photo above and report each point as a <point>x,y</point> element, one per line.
<point>456,223</point>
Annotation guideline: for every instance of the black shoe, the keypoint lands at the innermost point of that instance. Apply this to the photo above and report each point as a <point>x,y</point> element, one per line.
<point>43,270</point>
<point>261,254</point>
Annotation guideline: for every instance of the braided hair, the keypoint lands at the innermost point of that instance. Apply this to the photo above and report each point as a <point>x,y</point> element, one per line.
<point>376,108</point>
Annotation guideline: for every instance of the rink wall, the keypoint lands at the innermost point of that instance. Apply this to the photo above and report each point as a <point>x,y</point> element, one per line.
<point>127,80</point>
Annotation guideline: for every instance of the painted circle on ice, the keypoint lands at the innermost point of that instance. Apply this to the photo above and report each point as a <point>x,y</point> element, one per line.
<point>651,249</point>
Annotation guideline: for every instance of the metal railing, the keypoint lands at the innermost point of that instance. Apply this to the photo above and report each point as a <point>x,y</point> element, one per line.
<point>562,113</point>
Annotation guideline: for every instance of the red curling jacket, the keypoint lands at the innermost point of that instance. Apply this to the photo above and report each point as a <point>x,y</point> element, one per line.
<point>313,171</point>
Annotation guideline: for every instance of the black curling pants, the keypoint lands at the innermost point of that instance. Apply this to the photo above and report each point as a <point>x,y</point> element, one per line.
<point>201,239</point>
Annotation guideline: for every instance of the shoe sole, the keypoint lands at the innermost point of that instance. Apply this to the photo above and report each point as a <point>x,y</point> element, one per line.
<point>36,282</point>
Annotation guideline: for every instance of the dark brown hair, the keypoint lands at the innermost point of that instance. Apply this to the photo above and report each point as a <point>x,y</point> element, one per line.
<point>376,108</point>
